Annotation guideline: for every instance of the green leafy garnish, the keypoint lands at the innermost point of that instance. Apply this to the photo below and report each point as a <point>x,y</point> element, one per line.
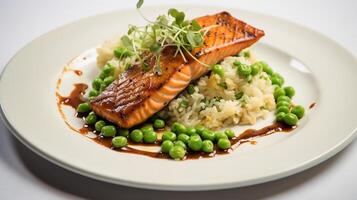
<point>121,52</point>
<point>139,3</point>
<point>238,95</point>
<point>171,30</point>
<point>179,16</point>
<point>127,43</point>
<point>195,25</point>
<point>223,84</point>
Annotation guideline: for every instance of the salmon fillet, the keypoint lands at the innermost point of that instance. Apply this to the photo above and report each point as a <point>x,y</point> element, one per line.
<point>136,94</point>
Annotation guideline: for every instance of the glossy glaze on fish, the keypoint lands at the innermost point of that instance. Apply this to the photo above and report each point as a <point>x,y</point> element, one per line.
<point>137,94</point>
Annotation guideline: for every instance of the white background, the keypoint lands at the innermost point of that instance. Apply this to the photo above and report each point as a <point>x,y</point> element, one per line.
<point>24,175</point>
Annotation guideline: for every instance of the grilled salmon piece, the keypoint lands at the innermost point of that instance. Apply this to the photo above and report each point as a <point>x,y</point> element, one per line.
<point>137,94</point>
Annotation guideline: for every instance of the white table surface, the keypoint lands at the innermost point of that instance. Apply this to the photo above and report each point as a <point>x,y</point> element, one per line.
<point>25,175</point>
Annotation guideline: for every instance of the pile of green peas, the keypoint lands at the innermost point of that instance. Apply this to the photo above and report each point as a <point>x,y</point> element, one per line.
<point>285,111</point>
<point>181,139</point>
<point>105,78</point>
<point>248,71</point>
<point>176,141</point>
<point>145,134</point>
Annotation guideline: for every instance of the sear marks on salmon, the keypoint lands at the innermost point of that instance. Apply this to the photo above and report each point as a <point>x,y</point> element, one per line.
<point>137,94</point>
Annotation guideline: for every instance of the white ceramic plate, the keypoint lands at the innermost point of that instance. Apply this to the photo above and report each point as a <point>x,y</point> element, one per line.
<point>319,69</point>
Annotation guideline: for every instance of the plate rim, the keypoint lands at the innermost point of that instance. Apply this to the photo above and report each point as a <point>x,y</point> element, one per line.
<point>290,171</point>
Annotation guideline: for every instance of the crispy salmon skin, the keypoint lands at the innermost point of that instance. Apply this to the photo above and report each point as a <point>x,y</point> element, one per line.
<point>137,94</point>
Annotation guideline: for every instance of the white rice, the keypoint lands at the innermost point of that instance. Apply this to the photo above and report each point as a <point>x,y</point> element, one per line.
<point>215,107</point>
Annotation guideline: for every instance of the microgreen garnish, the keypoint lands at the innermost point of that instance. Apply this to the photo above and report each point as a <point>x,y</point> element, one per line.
<point>171,30</point>
<point>139,4</point>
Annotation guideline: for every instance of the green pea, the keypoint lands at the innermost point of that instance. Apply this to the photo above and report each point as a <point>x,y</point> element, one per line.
<point>123,132</point>
<point>289,91</point>
<point>220,135</point>
<point>178,128</point>
<point>183,137</point>
<point>207,146</point>
<point>93,93</point>
<point>299,111</point>
<point>238,95</point>
<point>236,63</point>
<point>195,135</point>
<point>96,83</point>
<point>266,68</point>
<point>244,69</point>
<point>99,125</point>
<point>283,98</point>
<point>180,143</point>
<point>291,119</point>
<point>283,103</point>
<point>283,109</point>
<point>147,128</point>
<point>200,129</point>
<point>83,107</point>
<point>230,134</point>
<point>108,80</point>
<point>256,68</point>
<point>108,69</point>
<point>280,116</point>
<point>159,123</point>
<point>150,137</point>
<point>177,152</point>
<point>103,75</point>
<point>191,131</point>
<point>279,92</point>
<point>184,104</point>
<point>166,146</point>
<point>208,135</point>
<point>195,143</point>
<point>168,135</point>
<point>218,69</point>
<point>102,87</point>
<point>119,142</point>
<point>136,135</point>
<point>91,118</point>
<point>224,144</point>
<point>109,131</point>
<point>280,77</point>
<point>190,89</point>
<point>276,79</point>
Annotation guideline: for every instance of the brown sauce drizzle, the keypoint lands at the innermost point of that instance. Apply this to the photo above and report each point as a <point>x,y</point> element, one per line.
<point>312,105</point>
<point>76,71</point>
<point>75,98</point>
